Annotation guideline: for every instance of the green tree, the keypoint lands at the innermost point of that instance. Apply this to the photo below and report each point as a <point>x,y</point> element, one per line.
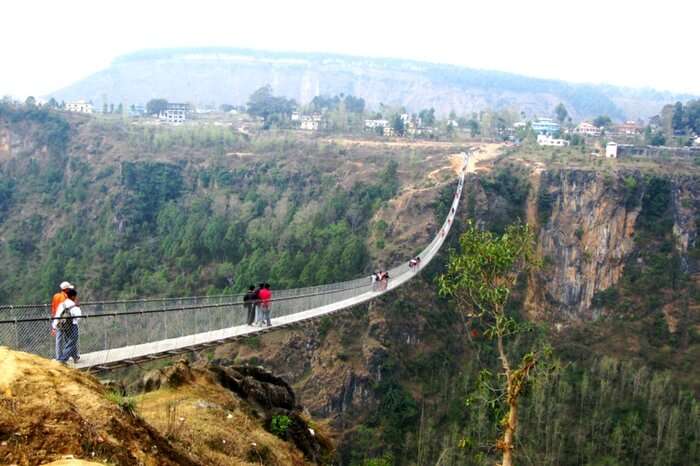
<point>473,127</point>
<point>678,121</point>
<point>561,113</point>
<point>427,116</point>
<point>654,138</point>
<point>397,125</point>
<point>30,102</point>
<point>263,104</point>
<point>480,278</point>
<point>602,121</point>
<point>155,106</point>
<point>354,104</point>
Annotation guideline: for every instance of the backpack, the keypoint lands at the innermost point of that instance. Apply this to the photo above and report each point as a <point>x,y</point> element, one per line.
<point>64,324</point>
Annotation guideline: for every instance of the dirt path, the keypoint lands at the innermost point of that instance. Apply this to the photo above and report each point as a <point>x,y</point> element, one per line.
<point>484,153</point>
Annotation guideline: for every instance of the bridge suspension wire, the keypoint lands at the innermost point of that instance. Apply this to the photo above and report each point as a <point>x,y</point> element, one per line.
<point>120,332</point>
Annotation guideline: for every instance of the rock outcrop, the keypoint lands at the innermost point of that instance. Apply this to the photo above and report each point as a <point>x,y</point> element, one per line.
<point>222,387</point>
<point>588,223</point>
<point>584,239</point>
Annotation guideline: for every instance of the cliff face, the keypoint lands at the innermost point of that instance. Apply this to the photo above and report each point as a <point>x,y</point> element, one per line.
<point>588,223</point>
<point>686,200</point>
<point>586,235</point>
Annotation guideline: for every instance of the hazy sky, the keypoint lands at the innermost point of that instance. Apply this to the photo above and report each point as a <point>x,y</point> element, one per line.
<point>46,45</point>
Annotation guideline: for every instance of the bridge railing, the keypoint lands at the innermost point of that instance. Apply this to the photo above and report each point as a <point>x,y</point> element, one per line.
<point>102,328</point>
<point>121,326</point>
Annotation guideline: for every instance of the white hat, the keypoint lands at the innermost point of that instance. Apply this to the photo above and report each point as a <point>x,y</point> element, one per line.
<point>65,286</point>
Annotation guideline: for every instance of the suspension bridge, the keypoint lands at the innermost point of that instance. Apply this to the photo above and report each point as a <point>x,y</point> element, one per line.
<point>120,333</point>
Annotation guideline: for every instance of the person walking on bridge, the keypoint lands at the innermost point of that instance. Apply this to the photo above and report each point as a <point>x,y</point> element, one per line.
<point>258,305</point>
<point>66,325</point>
<point>56,301</point>
<point>249,300</point>
<point>265,296</point>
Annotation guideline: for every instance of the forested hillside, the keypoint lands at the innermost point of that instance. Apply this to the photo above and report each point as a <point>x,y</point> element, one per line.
<point>134,212</point>
<point>228,76</point>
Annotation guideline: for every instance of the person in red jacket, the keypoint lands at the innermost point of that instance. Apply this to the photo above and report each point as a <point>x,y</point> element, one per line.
<point>265,296</point>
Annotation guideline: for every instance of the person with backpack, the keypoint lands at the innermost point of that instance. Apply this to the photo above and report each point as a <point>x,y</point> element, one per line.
<point>56,301</point>
<point>249,303</point>
<point>265,296</point>
<point>65,323</point>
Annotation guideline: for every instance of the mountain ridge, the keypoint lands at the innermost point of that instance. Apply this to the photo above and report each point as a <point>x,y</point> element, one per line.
<point>216,75</point>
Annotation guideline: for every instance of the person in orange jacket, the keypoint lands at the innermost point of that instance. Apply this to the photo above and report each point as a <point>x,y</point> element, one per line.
<point>56,301</point>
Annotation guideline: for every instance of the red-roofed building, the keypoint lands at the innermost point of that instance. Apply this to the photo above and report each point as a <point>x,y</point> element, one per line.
<point>629,128</point>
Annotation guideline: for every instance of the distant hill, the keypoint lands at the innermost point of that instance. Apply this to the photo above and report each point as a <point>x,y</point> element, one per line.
<point>230,75</point>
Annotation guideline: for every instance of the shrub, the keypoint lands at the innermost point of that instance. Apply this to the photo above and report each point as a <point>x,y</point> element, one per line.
<point>324,327</point>
<point>279,425</point>
<point>126,403</point>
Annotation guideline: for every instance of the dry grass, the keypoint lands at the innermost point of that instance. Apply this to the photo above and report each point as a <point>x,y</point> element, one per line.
<point>215,426</point>
<point>55,412</point>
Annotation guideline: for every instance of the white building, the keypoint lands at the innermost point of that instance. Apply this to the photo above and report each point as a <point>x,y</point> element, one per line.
<point>611,150</point>
<point>545,126</point>
<point>175,113</point>
<point>372,124</point>
<point>547,140</point>
<point>587,129</point>
<point>295,116</point>
<point>79,106</point>
<point>310,122</point>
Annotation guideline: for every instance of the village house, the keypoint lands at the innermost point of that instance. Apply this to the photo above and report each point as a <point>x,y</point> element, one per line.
<point>79,106</point>
<point>547,140</point>
<point>628,128</point>
<point>587,129</point>
<point>374,124</point>
<point>611,150</point>
<point>311,122</point>
<point>296,116</point>
<point>175,113</point>
<point>545,126</point>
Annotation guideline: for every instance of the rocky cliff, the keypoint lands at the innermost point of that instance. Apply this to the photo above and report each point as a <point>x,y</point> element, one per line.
<point>586,234</point>
<point>589,231</point>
